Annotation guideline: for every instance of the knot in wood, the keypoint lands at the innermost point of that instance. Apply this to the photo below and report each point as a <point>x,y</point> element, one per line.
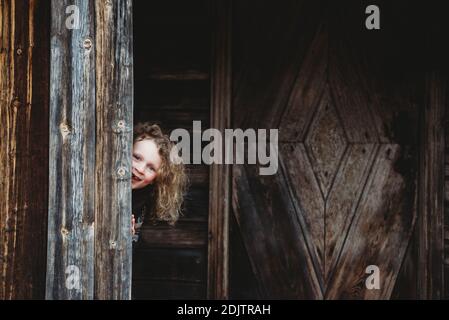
<point>112,244</point>
<point>19,51</point>
<point>64,128</point>
<point>120,127</point>
<point>121,172</point>
<point>16,103</point>
<point>87,44</point>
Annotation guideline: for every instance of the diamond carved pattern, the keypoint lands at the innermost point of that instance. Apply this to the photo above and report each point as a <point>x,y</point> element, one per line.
<point>325,144</point>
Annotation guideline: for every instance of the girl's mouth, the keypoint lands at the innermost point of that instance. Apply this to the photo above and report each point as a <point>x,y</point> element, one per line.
<point>136,178</point>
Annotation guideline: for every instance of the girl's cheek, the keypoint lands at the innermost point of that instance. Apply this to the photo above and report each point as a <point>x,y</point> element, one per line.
<point>150,178</point>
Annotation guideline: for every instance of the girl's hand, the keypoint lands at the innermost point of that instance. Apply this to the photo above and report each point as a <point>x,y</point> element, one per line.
<point>133,225</point>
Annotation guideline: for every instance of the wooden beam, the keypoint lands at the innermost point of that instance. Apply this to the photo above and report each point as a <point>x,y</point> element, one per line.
<point>91,114</point>
<point>431,184</point>
<point>72,155</point>
<point>23,147</point>
<point>114,113</point>
<point>220,177</point>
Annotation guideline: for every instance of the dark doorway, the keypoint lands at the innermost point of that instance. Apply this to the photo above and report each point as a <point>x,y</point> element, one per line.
<point>172,89</point>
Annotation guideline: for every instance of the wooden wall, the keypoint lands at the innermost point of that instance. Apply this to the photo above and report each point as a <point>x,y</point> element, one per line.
<point>172,88</point>
<point>24,102</point>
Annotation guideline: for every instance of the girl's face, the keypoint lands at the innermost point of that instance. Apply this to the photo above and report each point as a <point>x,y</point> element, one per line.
<point>146,163</point>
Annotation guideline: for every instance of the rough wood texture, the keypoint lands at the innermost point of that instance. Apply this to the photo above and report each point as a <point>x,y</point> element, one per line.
<point>186,234</point>
<point>219,194</point>
<point>114,81</point>
<point>431,244</point>
<point>23,147</point>
<point>90,146</point>
<point>347,105</point>
<point>72,155</point>
<point>273,236</point>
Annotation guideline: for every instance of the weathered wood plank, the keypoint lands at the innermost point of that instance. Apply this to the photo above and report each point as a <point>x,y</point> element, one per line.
<point>272,235</point>
<point>406,286</point>
<point>307,91</point>
<point>114,114</point>
<point>308,201</point>
<point>220,178</point>
<point>431,195</point>
<point>35,224</point>
<point>186,234</point>
<point>380,232</point>
<point>72,155</point>
<point>23,147</point>
<point>13,94</point>
<point>342,202</point>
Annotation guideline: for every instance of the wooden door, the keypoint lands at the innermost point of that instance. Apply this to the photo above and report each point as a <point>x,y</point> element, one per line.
<point>346,101</point>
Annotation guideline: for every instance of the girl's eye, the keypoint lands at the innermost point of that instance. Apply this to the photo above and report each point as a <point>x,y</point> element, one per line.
<point>135,157</point>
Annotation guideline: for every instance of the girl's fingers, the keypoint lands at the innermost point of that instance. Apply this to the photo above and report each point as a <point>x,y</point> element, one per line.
<point>133,223</point>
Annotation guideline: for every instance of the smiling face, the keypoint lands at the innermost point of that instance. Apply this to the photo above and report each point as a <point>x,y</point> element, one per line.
<point>146,162</point>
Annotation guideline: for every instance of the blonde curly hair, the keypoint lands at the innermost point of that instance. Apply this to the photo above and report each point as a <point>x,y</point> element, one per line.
<point>171,181</point>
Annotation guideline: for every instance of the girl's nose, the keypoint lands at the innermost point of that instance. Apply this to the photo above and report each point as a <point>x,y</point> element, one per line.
<point>139,167</point>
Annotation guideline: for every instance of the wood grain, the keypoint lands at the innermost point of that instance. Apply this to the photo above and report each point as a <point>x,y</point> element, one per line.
<point>220,175</point>
<point>273,236</point>
<point>23,147</point>
<point>72,154</point>
<point>431,182</point>
<point>114,123</point>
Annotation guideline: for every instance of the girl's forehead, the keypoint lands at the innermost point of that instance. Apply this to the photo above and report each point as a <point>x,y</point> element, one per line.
<point>148,150</point>
<point>145,143</point>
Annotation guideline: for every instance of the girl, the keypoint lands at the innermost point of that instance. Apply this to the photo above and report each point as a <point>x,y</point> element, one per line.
<point>158,182</point>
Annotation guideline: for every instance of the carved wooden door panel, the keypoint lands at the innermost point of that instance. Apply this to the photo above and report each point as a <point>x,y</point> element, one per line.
<point>344,197</point>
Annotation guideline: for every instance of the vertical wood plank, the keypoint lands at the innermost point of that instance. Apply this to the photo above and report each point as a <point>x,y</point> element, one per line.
<point>72,154</point>
<point>219,194</point>
<point>22,140</point>
<point>431,183</point>
<point>34,233</point>
<point>114,78</point>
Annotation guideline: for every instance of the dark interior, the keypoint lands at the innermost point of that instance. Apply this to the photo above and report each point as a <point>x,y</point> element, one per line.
<point>172,88</point>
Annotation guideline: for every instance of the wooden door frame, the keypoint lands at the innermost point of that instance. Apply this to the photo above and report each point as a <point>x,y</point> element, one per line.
<point>219,174</point>
<point>431,189</point>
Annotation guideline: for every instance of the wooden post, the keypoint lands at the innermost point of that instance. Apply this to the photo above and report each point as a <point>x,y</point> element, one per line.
<point>114,77</point>
<point>219,194</point>
<point>431,192</point>
<point>23,147</point>
<point>70,253</point>
<point>89,237</point>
